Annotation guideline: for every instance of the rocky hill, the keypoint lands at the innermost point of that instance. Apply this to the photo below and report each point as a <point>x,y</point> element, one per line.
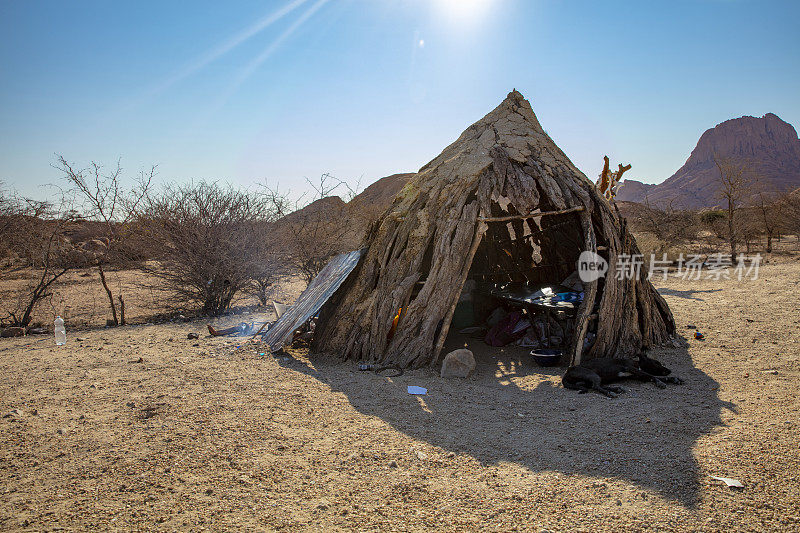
<point>379,195</point>
<point>344,224</point>
<point>768,145</point>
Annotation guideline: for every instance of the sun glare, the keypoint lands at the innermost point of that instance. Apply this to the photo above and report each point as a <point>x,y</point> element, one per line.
<point>463,10</point>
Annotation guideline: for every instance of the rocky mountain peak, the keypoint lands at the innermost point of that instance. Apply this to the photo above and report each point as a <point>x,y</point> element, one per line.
<point>767,144</point>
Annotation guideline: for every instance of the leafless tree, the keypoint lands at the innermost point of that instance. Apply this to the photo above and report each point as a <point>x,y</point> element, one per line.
<point>790,212</point>
<point>715,221</point>
<point>104,199</point>
<point>271,264</point>
<point>266,272</point>
<point>312,230</point>
<point>7,214</point>
<point>768,211</point>
<point>733,186</point>
<point>208,241</point>
<point>671,226</point>
<point>749,227</point>
<point>34,232</point>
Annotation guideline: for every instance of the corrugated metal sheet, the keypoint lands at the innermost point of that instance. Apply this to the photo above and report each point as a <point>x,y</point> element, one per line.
<point>313,298</point>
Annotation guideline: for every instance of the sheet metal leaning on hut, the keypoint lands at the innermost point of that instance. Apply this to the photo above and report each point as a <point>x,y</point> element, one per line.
<point>312,299</point>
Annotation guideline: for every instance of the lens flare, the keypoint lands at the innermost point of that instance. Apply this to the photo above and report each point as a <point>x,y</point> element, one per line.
<point>463,11</point>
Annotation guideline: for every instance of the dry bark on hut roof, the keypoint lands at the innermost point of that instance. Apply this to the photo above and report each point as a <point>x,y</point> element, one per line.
<point>481,193</point>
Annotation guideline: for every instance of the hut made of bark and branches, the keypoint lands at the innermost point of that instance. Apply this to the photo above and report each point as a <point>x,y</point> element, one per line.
<point>502,204</point>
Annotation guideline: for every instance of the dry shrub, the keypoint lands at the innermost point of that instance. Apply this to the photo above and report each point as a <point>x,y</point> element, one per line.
<point>108,209</point>
<point>210,242</point>
<point>669,226</point>
<point>33,234</point>
<point>790,213</point>
<point>310,232</point>
<point>734,185</point>
<point>715,222</point>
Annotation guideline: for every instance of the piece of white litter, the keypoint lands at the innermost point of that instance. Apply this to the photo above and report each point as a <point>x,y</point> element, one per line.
<point>413,389</point>
<point>729,481</point>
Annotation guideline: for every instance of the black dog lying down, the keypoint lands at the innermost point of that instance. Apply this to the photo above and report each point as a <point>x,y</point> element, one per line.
<point>592,375</point>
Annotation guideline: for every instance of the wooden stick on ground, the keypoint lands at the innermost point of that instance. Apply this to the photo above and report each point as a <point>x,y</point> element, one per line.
<point>222,332</point>
<point>259,330</point>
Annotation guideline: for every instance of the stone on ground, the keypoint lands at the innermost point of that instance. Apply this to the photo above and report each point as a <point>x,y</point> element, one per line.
<point>458,364</point>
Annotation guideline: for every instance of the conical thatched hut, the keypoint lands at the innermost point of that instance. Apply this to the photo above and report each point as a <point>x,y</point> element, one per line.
<point>502,203</point>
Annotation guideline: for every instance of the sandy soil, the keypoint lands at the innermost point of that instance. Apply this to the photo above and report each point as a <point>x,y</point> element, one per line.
<point>140,428</point>
<point>80,299</point>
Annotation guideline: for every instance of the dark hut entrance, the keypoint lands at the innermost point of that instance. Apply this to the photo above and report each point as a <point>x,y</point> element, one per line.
<point>523,276</point>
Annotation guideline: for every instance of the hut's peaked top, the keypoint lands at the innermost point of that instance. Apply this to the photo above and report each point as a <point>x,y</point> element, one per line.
<point>512,126</point>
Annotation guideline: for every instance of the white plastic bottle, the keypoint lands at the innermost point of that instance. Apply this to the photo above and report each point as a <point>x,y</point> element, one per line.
<point>61,332</point>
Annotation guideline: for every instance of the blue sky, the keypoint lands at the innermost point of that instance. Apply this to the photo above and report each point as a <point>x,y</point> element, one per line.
<point>248,91</point>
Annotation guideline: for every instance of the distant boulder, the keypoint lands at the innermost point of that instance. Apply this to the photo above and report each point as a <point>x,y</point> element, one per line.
<point>95,247</point>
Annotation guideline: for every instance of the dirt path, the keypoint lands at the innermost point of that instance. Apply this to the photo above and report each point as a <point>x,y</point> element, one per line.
<point>204,435</point>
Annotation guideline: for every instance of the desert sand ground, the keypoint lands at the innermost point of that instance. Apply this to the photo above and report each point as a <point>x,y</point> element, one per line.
<point>140,428</point>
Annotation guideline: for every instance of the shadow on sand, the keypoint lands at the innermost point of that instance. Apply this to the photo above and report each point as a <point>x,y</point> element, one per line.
<point>513,411</point>
<point>688,294</point>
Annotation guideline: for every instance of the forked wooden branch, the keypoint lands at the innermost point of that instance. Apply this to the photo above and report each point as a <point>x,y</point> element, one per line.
<point>621,171</point>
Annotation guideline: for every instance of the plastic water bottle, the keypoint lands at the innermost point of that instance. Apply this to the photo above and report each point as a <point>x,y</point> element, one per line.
<point>61,332</point>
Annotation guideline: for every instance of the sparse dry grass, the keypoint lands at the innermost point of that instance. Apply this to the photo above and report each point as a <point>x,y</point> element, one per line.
<point>788,246</point>
<point>83,304</point>
<point>209,434</point>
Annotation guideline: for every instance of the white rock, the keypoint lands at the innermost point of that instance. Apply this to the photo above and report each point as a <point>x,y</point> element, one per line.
<point>458,364</point>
